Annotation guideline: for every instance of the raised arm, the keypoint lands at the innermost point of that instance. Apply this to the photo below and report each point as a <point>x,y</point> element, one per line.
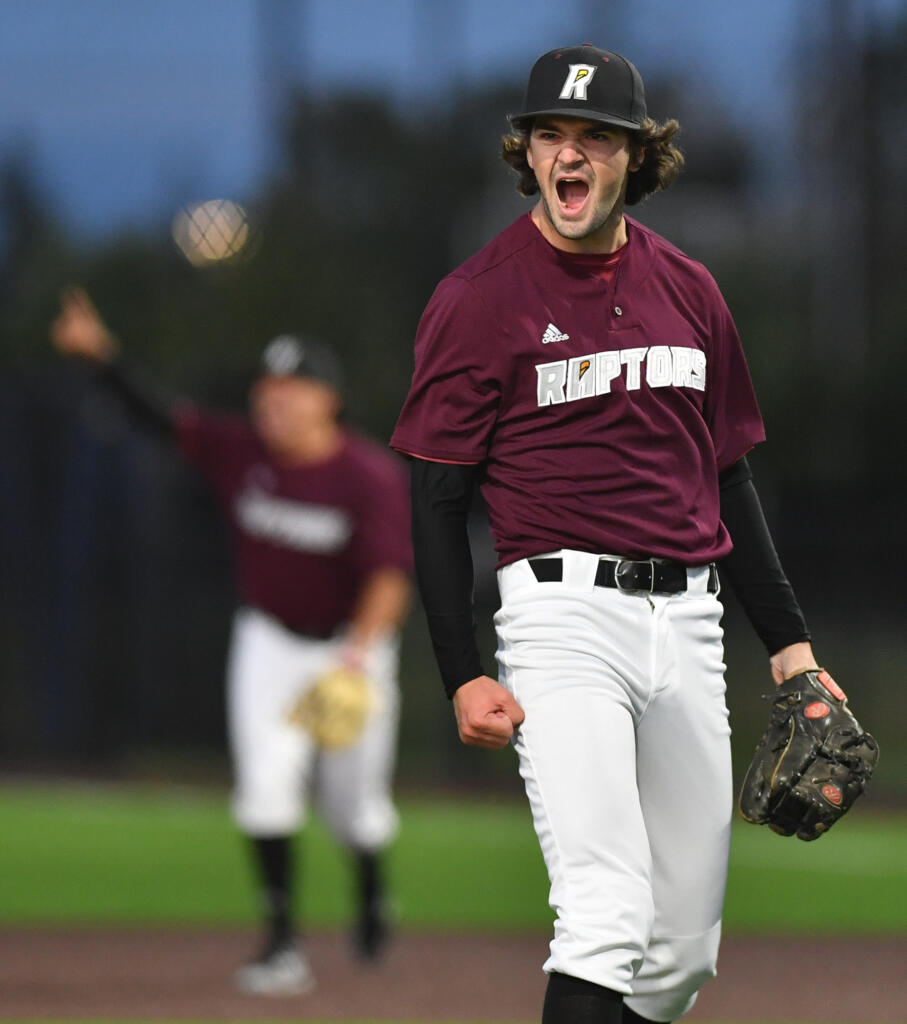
<point>79,331</point>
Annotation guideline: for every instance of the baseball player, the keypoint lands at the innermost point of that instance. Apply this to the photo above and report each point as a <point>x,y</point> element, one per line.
<point>320,527</point>
<point>588,376</point>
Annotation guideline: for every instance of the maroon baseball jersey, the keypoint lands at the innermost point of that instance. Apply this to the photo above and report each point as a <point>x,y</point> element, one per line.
<point>601,404</point>
<point>305,536</point>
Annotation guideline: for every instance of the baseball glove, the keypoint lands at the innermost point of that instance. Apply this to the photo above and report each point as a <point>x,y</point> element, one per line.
<point>335,708</point>
<point>812,762</point>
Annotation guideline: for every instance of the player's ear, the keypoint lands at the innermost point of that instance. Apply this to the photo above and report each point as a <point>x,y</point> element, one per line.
<point>637,157</point>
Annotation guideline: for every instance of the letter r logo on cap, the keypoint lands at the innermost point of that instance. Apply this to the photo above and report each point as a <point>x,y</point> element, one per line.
<point>577,82</point>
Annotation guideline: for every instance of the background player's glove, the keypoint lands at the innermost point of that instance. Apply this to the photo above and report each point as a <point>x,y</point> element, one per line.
<point>335,708</point>
<point>812,762</point>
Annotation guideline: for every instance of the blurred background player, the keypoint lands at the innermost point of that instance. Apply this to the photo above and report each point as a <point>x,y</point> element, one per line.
<point>320,528</point>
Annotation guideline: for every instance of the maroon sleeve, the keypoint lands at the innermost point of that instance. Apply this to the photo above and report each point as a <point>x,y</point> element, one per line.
<point>193,437</point>
<point>451,408</point>
<point>210,442</point>
<point>731,409</point>
<point>382,537</point>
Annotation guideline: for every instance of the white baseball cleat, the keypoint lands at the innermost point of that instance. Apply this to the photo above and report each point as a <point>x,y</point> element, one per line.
<point>283,971</point>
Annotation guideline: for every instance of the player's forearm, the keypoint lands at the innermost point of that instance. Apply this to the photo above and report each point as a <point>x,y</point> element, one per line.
<point>441,496</point>
<point>147,402</point>
<point>753,567</point>
<point>382,605</point>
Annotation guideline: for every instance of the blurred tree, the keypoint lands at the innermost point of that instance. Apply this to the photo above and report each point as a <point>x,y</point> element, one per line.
<point>853,129</point>
<point>33,251</point>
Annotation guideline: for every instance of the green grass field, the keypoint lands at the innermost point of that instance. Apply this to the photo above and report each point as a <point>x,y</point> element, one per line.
<point>170,855</point>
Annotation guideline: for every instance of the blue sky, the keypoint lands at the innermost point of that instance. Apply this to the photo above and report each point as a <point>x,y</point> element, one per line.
<point>129,108</point>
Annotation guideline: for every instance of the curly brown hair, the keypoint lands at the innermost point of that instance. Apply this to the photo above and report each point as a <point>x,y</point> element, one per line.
<point>661,159</point>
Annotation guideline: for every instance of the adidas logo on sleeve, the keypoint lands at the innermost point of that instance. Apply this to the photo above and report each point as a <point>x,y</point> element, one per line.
<point>553,333</point>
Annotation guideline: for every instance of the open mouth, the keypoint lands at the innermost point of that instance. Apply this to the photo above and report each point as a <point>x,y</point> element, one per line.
<point>571,194</point>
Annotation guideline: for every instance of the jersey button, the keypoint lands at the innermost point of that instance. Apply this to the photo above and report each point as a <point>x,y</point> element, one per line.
<point>618,311</point>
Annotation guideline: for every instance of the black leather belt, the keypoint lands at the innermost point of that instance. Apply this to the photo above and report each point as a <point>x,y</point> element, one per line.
<point>649,576</point>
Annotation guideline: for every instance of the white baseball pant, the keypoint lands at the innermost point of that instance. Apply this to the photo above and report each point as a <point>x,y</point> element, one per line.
<point>625,755</point>
<point>276,764</point>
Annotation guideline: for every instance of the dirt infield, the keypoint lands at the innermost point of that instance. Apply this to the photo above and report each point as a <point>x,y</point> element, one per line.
<point>186,975</point>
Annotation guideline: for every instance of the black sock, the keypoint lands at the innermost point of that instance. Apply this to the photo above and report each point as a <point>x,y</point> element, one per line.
<point>371,929</point>
<point>570,1000</point>
<point>274,863</point>
<point>631,1017</point>
<point>370,882</point>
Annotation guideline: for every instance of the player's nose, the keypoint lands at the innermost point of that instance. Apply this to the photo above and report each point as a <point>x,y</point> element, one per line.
<point>571,154</point>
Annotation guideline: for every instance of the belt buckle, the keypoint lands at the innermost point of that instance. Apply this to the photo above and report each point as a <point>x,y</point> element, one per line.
<point>636,561</point>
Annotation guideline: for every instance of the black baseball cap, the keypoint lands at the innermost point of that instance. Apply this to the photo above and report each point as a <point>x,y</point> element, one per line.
<point>584,81</point>
<point>301,356</point>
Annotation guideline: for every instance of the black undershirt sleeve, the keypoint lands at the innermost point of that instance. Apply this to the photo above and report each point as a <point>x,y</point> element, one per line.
<point>753,568</point>
<point>149,404</point>
<point>441,497</point>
